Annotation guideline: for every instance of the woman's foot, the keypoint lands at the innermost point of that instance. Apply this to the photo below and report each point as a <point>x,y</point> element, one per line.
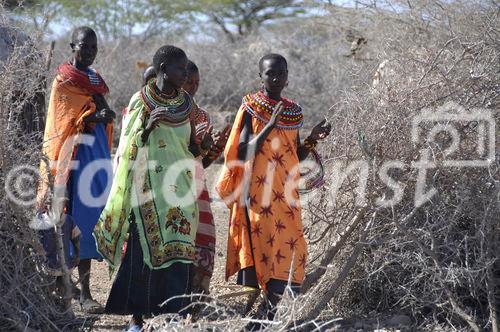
<point>91,306</point>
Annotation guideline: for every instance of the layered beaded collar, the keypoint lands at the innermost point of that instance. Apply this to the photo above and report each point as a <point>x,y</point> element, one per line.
<point>178,107</point>
<point>261,107</point>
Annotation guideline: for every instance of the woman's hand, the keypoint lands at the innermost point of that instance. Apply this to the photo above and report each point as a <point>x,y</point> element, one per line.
<point>104,115</point>
<point>320,131</point>
<point>155,117</point>
<point>104,112</point>
<point>276,116</point>
<point>221,138</point>
<point>207,140</point>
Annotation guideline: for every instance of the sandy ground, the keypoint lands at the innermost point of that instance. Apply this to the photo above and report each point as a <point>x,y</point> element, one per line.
<point>100,282</point>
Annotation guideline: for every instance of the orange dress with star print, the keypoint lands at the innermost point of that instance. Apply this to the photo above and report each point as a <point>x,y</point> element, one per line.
<point>267,188</point>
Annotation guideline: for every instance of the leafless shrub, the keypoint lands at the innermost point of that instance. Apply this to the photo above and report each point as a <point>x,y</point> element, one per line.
<point>435,259</point>
<point>27,302</point>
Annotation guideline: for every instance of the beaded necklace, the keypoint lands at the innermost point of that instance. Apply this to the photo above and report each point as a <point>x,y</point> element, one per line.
<point>178,108</point>
<point>93,77</point>
<point>261,107</point>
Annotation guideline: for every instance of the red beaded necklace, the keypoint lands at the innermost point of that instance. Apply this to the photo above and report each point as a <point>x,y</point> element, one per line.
<point>261,107</point>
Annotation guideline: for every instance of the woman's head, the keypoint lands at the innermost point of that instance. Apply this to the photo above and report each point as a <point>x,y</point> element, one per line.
<point>84,46</point>
<point>193,79</point>
<point>273,71</point>
<point>170,64</point>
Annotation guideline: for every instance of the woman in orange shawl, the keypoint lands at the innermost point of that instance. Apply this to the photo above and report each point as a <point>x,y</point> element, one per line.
<point>78,132</point>
<point>266,245</point>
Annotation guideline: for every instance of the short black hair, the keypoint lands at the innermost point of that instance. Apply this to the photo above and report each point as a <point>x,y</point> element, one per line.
<point>192,68</point>
<point>167,54</point>
<point>272,56</point>
<point>84,30</point>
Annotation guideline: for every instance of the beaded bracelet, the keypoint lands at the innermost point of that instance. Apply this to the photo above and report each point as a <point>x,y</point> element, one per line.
<point>309,143</point>
<point>312,178</point>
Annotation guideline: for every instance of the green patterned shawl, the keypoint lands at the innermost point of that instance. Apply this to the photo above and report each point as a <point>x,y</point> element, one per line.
<point>155,180</point>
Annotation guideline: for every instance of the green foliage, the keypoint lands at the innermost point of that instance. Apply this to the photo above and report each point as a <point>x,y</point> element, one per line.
<point>14,4</point>
<point>124,18</point>
<point>150,18</point>
<point>240,18</point>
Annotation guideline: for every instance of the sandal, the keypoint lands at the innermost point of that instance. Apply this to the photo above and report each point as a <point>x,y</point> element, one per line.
<point>91,306</point>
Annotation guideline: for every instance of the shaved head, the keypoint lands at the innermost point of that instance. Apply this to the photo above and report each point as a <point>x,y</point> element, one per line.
<point>272,56</point>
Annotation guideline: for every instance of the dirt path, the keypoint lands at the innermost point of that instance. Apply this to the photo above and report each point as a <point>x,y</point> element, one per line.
<point>100,282</point>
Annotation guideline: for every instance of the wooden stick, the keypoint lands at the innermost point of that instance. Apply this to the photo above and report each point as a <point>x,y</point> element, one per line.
<point>245,291</point>
<point>319,303</point>
<point>314,276</point>
<point>48,56</point>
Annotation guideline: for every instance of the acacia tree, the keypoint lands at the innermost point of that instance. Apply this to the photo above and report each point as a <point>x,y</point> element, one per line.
<point>113,19</point>
<point>39,13</point>
<point>150,18</point>
<point>240,18</point>
<point>125,18</point>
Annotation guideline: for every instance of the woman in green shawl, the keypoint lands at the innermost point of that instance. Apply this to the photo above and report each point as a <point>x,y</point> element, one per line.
<point>153,197</point>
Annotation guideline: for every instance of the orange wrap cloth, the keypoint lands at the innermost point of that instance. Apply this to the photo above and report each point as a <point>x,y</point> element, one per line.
<point>69,105</point>
<point>273,204</point>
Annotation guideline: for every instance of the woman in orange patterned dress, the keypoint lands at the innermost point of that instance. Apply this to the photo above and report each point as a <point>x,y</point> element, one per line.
<point>266,244</point>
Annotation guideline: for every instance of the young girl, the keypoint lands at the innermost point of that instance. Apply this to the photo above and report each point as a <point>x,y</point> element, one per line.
<point>152,197</point>
<point>266,244</point>
<point>205,237</point>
